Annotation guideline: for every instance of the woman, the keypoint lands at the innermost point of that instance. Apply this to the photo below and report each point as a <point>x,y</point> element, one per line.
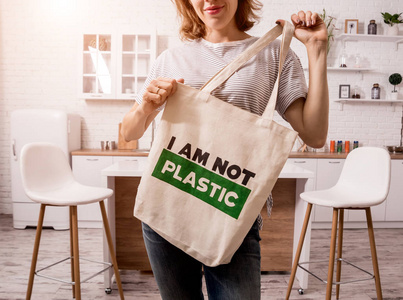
<point>216,30</point>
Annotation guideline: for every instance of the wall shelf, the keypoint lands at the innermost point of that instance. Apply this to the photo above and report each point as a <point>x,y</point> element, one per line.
<point>397,39</point>
<point>353,100</point>
<point>349,69</point>
<point>346,69</point>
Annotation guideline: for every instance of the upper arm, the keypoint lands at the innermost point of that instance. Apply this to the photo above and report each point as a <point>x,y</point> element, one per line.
<point>294,115</point>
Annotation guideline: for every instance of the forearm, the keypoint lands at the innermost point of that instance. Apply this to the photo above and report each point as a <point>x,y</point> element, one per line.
<point>136,122</point>
<point>316,107</point>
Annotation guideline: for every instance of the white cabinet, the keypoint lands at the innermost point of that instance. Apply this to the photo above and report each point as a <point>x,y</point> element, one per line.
<point>114,65</point>
<point>136,52</point>
<point>327,175</point>
<point>87,170</point>
<point>394,202</point>
<point>140,159</point>
<point>97,63</point>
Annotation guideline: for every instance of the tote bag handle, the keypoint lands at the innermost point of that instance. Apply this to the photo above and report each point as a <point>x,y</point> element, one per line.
<point>256,47</point>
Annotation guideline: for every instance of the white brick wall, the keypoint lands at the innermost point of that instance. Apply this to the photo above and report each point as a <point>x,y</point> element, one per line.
<point>38,64</point>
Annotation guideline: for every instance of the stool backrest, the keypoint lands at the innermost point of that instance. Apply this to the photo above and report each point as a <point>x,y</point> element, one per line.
<point>367,170</point>
<point>44,167</point>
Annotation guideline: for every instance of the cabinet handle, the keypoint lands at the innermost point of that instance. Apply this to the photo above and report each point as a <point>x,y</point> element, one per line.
<point>95,96</point>
<point>334,162</point>
<point>92,159</point>
<point>299,162</point>
<point>13,149</point>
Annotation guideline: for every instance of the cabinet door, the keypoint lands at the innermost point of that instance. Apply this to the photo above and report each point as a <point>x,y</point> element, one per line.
<point>394,202</point>
<point>378,214</point>
<point>136,53</point>
<point>87,170</point>
<point>140,160</point>
<point>328,173</point>
<point>311,165</point>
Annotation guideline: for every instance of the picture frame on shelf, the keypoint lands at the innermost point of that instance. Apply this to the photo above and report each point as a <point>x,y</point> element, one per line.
<point>344,91</point>
<point>351,26</point>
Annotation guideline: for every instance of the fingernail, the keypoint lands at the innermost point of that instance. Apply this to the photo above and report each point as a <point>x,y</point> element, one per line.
<point>303,23</point>
<point>308,23</point>
<point>298,21</point>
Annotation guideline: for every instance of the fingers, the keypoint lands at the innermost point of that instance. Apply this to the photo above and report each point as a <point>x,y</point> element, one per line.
<point>304,19</point>
<point>160,89</point>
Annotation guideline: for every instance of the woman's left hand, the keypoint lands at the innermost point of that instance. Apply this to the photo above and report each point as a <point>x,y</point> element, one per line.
<point>309,28</point>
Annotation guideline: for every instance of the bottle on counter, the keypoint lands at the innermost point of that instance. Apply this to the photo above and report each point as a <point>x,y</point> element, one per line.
<point>332,144</point>
<point>372,27</point>
<point>376,91</point>
<point>347,147</point>
<point>339,146</point>
<point>355,145</point>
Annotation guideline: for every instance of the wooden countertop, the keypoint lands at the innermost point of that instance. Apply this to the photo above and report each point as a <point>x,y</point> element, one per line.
<point>116,152</point>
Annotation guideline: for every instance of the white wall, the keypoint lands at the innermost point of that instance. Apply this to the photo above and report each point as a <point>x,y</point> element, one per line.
<point>38,64</point>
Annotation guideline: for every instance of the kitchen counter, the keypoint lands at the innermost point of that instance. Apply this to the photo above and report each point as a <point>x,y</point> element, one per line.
<point>279,235</point>
<point>139,152</point>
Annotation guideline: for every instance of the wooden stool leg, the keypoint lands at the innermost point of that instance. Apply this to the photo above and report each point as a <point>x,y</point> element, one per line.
<point>373,253</point>
<point>339,251</point>
<point>111,248</point>
<point>331,255</point>
<point>299,249</point>
<point>71,252</point>
<point>76,255</point>
<point>35,252</point>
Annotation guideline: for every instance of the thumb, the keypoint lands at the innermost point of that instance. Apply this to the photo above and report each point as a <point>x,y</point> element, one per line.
<point>280,22</point>
<point>181,80</point>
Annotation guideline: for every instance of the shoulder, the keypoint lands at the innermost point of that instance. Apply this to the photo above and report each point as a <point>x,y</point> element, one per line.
<point>185,48</point>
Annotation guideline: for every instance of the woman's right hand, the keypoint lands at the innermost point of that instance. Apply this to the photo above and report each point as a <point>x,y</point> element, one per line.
<point>158,92</point>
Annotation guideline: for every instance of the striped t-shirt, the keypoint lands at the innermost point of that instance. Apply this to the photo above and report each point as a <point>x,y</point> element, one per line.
<point>249,88</point>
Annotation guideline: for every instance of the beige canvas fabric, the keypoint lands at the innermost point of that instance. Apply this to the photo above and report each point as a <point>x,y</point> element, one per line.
<point>213,165</point>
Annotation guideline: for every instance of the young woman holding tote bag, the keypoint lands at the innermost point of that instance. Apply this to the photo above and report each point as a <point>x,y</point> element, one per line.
<point>215,34</point>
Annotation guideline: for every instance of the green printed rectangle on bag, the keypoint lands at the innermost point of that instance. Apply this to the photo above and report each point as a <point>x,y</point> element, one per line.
<point>212,188</point>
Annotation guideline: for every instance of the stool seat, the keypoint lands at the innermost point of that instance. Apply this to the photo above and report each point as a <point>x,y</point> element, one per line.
<point>72,193</point>
<point>47,179</point>
<point>345,197</point>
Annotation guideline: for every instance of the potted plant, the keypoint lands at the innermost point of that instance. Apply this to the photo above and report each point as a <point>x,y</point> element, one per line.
<point>395,79</point>
<point>392,21</point>
<point>329,21</point>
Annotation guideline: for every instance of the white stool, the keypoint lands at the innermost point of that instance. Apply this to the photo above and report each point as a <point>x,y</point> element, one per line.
<point>48,180</point>
<point>364,182</point>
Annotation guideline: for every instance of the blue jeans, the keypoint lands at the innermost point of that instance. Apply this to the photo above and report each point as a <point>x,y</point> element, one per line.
<point>179,276</point>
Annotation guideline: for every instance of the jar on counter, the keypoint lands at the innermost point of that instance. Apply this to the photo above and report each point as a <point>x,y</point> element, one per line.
<point>376,91</point>
<point>372,27</point>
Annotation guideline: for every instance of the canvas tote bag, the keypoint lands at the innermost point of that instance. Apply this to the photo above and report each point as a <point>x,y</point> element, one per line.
<point>213,165</point>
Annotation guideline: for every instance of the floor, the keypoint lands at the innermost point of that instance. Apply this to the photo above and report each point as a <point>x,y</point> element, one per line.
<point>16,250</point>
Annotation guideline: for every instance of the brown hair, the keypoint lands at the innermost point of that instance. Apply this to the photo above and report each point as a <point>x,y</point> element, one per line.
<point>192,27</point>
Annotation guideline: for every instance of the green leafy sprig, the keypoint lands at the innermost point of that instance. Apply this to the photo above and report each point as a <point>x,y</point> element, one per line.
<point>329,21</point>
